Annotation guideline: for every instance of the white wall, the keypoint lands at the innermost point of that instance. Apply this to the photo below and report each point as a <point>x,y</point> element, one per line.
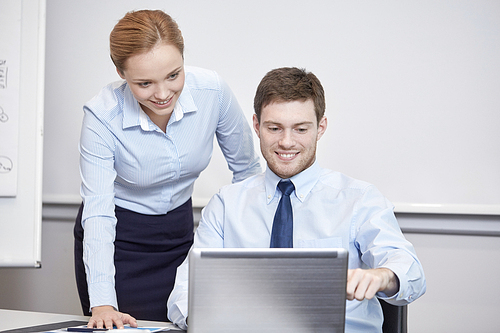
<point>411,86</point>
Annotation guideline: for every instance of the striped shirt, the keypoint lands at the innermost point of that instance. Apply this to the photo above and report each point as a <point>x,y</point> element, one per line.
<point>125,159</point>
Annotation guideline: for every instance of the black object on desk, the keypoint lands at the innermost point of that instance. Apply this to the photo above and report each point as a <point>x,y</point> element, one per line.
<point>47,327</point>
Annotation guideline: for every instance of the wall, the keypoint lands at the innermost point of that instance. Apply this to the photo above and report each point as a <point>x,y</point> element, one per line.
<point>462,284</point>
<point>411,87</point>
<point>461,271</point>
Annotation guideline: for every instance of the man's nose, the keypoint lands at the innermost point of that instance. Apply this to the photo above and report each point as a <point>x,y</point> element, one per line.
<point>287,140</point>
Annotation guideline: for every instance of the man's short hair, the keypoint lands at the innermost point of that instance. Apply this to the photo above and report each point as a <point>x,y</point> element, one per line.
<point>289,84</point>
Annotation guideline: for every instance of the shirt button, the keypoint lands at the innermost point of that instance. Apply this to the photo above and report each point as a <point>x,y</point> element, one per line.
<point>269,197</point>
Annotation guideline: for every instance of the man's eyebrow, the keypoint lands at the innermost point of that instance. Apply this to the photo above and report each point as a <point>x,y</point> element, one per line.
<point>270,122</point>
<point>305,123</point>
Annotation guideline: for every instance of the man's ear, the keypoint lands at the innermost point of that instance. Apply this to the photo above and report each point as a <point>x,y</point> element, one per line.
<point>256,125</point>
<point>322,127</point>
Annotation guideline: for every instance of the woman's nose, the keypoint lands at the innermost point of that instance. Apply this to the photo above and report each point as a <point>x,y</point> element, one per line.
<point>162,92</point>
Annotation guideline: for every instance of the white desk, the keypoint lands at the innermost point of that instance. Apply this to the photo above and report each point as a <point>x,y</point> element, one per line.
<point>11,319</point>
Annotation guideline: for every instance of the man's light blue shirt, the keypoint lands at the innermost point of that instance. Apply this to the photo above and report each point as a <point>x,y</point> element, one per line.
<point>125,159</point>
<point>329,210</point>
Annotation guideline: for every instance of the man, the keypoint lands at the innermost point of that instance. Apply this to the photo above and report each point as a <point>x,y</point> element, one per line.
<point>329,209</point>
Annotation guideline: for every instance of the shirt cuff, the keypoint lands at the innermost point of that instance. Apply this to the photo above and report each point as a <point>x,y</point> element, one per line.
<point>176,315</point>
<point>403,296</point>
<point>102,293</point>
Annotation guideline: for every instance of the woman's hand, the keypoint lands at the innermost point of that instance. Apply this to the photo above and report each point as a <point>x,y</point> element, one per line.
<point>106,316</point>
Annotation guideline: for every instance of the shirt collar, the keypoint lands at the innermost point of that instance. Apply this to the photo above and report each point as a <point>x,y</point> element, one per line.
<point>185,104</point>
<point>303,182</point>
<point>133,115</point>
<point>131,109</point>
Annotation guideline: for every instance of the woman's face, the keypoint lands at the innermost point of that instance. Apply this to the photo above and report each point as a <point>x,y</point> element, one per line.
<point>156,79</point>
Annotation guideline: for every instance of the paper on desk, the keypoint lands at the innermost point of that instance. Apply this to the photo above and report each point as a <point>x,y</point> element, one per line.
<point>126,329</point>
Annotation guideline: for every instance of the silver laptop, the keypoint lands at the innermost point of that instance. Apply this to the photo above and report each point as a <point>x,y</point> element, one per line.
<point>267,290</point>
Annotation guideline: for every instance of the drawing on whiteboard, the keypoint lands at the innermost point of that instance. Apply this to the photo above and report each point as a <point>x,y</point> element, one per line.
<point>3,116</point>
<point>5,164</point>
<point>3,74</point>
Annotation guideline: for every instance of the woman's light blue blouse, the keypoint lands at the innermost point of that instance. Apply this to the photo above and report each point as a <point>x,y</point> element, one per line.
<point>125,159</point>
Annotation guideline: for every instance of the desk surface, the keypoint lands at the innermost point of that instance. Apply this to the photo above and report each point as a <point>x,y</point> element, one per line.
<point>11,319</point>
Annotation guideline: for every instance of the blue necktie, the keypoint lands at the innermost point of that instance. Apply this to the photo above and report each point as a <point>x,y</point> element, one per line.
<point>282,233</point>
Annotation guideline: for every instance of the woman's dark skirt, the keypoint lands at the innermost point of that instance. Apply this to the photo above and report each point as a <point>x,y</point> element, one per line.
<point>148,250</point>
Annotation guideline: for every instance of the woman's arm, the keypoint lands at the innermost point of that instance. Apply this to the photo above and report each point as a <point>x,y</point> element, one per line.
<point>98,218</point>
<point>235,137</point>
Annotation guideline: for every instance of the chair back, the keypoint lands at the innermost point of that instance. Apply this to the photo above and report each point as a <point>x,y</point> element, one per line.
<point>395,318</point>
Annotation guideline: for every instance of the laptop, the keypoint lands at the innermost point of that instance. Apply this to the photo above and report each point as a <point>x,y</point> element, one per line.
<point>267,290</point>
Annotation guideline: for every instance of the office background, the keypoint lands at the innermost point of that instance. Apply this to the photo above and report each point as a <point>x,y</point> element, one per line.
<point>408,84</point>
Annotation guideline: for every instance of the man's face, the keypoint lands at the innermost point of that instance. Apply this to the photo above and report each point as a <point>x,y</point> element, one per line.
<point>288,133</point>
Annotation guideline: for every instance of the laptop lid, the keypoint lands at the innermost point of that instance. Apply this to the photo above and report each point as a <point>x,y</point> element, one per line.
<point>267,290</point>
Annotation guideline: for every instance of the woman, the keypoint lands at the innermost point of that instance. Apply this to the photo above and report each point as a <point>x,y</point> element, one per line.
<point>144,142</point>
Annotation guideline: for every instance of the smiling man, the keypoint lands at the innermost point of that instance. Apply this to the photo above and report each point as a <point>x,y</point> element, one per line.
<point>328,209</point>
<point>287,138</point>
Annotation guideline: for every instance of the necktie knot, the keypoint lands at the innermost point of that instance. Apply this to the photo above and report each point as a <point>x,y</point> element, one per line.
<point>286,187</point>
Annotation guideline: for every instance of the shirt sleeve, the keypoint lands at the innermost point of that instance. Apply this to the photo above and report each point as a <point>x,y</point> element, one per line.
<point>98,220</point>
<point>381,243</point>
<point>234,136</point>
<point>208,234</point>
<point>177,303</point>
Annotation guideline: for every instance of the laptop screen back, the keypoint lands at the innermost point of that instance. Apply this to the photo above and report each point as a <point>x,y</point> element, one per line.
<point>267,290</point>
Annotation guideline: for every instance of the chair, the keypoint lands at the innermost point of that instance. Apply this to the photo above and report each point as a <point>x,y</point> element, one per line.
<point>395,318</point>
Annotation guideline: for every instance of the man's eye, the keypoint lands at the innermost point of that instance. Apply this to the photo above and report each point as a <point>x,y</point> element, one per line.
<point>173,76</point>
<point>144,84</point>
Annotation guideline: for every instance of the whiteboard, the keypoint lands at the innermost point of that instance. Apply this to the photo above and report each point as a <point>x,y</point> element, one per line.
<point>10,57</point>
<point>411,87</point>
<point>23,30</point>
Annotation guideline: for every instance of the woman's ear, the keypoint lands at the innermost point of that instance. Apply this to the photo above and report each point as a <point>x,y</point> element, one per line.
<point>120,73</point>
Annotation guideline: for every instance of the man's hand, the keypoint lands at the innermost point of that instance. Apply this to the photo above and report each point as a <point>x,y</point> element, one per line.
<point>106,317</point>
<point>365,283</point>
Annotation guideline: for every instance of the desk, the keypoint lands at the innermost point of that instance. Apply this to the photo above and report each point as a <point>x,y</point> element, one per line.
<point>11,319</point>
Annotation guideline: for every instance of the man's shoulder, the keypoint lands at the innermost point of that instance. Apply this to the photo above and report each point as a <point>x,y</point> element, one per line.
<point>248,184</point>
<point>339,180</point>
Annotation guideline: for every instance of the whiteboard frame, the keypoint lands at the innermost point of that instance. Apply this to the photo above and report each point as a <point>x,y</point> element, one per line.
<point>457,209</point>
<point>28,202</point>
